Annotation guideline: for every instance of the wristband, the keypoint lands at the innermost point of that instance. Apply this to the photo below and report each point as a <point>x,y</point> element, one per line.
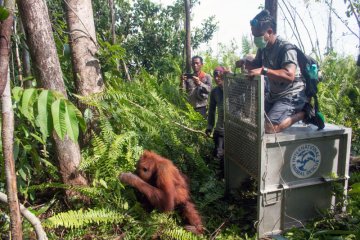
<point>264,71</point>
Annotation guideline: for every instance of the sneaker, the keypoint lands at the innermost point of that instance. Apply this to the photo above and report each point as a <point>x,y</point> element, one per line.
<point>311,117</point>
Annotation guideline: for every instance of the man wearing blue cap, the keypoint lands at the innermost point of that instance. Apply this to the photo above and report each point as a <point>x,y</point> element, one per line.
<point>286,102</point>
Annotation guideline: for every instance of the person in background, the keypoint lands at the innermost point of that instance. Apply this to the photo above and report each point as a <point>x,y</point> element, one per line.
<point>197,86</point>
<point>216,102</point>
<point>286,102</point>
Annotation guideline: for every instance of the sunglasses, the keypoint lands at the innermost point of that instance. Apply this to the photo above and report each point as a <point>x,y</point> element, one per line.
<point>217,73</point>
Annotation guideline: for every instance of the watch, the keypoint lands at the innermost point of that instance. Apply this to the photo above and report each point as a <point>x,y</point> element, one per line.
<point>264,71</point>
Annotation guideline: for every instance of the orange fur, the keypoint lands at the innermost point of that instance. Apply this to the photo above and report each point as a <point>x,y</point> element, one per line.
<point>164,186</point>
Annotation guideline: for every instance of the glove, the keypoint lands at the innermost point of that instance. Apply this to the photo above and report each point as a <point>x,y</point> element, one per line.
<point>208,132</point>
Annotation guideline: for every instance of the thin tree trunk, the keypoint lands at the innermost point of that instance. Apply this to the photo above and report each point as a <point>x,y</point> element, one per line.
<point>316,34</point>
<point>188,36</point>
<point>25,59</point>
<point>87,72</point>
<point>329,42</point>
<point>7,134</point>
<point>17,56</point>
<point>355,12</point>
<point>7,130</point>
<point>314,50</point>
<point>5,39</point>
<point>295,30</point>
<point>113,39</point>
<point>342,20</point>
<point>34,221</point>
<point>271,5</point>
<point>35,18</point>
<point>112,17</point>
<point>126,70</point>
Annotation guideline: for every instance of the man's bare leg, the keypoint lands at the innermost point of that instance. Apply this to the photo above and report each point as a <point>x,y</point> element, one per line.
<point>275,128</point>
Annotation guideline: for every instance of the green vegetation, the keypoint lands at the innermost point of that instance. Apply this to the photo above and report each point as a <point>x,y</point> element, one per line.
<point>150,113</point>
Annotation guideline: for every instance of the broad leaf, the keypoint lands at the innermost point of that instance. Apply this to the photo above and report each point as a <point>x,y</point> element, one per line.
<point>22,174</point>
<point>27,102</point>
<point>71,121</point>
<point>16,93</point>
<point>58,111</point>
<point>4,13</point>
<point>44,118</point>
<point>79,116</point>
<point>38,138</point>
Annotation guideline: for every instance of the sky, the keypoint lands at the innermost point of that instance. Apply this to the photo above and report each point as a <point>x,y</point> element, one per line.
<point>233,18</point>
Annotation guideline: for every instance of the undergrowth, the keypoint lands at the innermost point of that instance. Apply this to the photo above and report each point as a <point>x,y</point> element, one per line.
<point>151,113</point>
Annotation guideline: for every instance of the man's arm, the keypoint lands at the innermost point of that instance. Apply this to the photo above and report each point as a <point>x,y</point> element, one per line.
<point>285,74</point>
<point>287,65</point>
<point>249,62</point>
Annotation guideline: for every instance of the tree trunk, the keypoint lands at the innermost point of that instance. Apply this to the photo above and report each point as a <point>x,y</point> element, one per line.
<point>329,41</point>
<point>84,47</point>
<point>112,17</point>
<point>272,6</point>
<point>17,55</point>
<point>8,151</point>
<point>188,36</point>
<point>113,39</point>
<point>35,18</point>
<point>34,221</point>
<point>8,123</point>
<point>5,39</point>
<point>25,59</point>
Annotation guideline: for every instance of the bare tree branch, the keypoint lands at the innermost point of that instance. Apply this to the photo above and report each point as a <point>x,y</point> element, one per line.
<point>307,30</point>
<point>342,20</point>
<point>354,12</point>
<point>34,221</point>
<point>287,20</point>
<point>317,38</point>
<point>296,28</point>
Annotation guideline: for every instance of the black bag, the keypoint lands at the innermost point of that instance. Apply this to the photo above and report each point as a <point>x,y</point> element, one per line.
<point>309,69</point>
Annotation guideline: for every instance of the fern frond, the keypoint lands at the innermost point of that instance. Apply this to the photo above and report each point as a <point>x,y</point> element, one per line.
<point>45,186</point>
<point>179,234</point>
<point>99,149</point>
<point>88,191</point>
<point>80,218</point>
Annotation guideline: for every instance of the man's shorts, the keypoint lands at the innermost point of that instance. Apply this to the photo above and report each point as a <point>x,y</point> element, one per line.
<point>284,107</point>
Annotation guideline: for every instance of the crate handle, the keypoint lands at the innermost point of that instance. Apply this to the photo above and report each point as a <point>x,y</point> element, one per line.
<point>271,198</point>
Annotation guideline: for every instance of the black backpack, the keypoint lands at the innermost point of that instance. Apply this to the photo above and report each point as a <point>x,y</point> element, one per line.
<point>309,69</point>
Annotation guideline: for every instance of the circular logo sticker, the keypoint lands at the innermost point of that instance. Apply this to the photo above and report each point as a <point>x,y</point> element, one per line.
<point>305,160</point>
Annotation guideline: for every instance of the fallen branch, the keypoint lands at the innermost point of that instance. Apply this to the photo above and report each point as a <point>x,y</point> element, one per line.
<point>35,222</point>
<point>217,231</point>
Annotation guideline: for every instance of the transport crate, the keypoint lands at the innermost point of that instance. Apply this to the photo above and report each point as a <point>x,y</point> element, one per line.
<point>295,170</point>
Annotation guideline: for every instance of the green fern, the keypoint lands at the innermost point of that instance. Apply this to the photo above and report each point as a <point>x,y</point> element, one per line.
<point>179,234</point>
<point>139,116</point>
<point>81,218</point>
<point>91,192</point>
<point>247,46</point>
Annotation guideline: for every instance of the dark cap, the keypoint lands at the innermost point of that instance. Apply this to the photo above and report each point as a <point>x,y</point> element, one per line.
<point>263,20</point>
